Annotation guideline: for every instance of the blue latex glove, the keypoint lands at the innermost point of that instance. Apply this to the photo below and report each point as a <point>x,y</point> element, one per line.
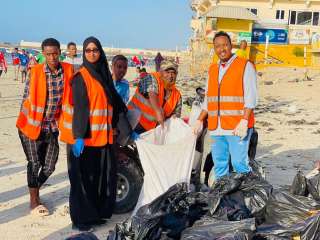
<point>135,136</point>
<point>78,147</point>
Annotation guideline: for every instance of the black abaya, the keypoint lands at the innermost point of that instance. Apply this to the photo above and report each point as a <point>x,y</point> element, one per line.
<point>93,184</point>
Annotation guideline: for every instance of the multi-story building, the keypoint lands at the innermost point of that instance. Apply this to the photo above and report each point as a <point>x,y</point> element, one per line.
<point>293,26</point>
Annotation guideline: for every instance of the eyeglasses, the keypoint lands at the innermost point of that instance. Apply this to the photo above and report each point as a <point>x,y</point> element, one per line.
<point>94,50</point>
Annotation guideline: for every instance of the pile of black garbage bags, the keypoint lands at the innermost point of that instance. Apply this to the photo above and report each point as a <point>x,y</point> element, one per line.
<point>237,207</point>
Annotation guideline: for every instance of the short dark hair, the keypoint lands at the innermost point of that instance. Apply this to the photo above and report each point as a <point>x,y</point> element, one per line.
<point>50,42</point>
<point>119,58</point>
<point>143,70</point>
<point>222,34</point>
<point>71,44</point>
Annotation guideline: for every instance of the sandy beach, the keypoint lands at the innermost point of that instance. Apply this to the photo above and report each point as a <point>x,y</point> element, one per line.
<point>288,122</point>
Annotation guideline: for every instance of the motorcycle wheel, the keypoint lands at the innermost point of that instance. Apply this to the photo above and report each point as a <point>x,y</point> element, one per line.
<point>129,183</point>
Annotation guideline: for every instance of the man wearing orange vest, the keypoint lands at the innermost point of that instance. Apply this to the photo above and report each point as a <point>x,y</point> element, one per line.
<point>231,96</point>
<point>157,97</point>
<point>37,121</point>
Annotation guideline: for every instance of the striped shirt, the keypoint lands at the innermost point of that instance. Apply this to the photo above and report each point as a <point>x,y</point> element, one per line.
<point>55,84</point>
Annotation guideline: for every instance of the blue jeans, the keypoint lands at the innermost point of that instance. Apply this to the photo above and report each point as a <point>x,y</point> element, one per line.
<point>225,146</point>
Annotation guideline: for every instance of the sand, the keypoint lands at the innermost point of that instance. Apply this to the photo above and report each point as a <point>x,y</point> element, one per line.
<point>288,122</point>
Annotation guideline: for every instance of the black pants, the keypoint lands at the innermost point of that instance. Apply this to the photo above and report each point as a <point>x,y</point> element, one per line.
<point>1,72</point>
<point>93,180</point>
<point>42,155</point>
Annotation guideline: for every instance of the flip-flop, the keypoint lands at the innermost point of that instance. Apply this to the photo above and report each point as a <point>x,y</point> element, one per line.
<point>40,211</point>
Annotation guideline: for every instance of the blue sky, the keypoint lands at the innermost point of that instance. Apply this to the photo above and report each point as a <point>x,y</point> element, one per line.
<point>160,24</point>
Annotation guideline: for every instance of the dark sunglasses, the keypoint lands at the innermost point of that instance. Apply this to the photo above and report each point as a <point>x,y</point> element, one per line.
<point>94,50</point>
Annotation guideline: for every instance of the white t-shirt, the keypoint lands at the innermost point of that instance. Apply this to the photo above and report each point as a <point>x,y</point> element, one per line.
<point>76,62</point>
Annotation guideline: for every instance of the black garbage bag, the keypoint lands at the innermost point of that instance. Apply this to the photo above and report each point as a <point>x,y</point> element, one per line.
<point>299,185</point>
<point>239,196</point>
<point>83,236</point>
<point>313,186</point>
<point>171,213</point>
<point>213,229</point>
<point>304,187</point>
<point>286,209</point>
<point>308,229</point>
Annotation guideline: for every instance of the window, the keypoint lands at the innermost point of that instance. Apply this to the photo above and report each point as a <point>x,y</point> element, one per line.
<point>253,10</point>
<point>315,20</point>
<point>293,15</point>
<point>280,14</point>
<point>304,18</point>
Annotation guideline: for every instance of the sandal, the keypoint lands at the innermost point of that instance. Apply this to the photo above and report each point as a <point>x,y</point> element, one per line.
<point>40,211</point>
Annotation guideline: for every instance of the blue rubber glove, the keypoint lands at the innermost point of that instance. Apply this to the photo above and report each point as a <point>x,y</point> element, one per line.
<point>135,136</point>
<point>77,147</point>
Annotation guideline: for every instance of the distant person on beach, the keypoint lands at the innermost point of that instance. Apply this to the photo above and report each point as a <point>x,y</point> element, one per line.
<point>136,61</point>
<point>157,97</point>
<point>72,57</point>
<point>119,70</point>
<point>37,122</point>
<point>88,120</point>
<point>242,51</point>
<point>15,63</point>
<point>24,61</point>
<point>157,60</point>
<point>229,108</point>
<point>3,64</point>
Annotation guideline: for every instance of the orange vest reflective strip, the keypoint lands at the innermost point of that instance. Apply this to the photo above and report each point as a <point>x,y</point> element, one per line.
<point>100,114</point>
<point>32,110</point>
<point>226,100</point>
<point>148,116</point>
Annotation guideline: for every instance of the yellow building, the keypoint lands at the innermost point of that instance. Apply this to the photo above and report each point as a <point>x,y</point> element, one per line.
<point>283,32</point>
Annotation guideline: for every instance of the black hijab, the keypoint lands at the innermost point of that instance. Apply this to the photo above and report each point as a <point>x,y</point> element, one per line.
<point>100,71</point>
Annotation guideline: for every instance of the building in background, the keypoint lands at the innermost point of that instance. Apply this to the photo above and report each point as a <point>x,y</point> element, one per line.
<point>278,32</point>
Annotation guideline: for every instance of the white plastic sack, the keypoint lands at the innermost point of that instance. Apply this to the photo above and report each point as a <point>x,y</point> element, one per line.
<point>166,155</point>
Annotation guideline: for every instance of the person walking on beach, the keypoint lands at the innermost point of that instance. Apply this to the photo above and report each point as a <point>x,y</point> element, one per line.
<point>72,56</point>
<point>231,96</point>
<point>157,97</point>
<point>119,70</point>
<point>24,61</point>
<point>242,51</point>
<point>37,122</point>
<point>3,64</point>
<point>87,124</point>
<point>15,63</point>
<point>157,60</point>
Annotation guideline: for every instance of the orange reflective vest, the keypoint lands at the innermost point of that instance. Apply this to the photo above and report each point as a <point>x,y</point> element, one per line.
<point>226,100</point>
<point>32,110</point>
<point>100,116</point>
<point>148,116</point>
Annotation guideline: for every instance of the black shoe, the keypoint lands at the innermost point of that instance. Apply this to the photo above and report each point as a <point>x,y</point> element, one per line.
<point>82,227</point>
